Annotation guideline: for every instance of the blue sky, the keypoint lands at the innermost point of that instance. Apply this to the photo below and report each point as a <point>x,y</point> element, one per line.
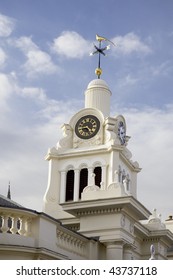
<point>45,68</point>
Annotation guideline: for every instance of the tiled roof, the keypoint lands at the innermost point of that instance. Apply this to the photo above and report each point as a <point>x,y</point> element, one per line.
<point>6,202</point>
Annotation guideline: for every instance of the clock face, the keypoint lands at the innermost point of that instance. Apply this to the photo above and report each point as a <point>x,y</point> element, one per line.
<point>87,127</point>
<point>122,133</point>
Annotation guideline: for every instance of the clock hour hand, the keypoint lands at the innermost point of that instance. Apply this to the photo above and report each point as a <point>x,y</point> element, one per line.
<point>86,127</point>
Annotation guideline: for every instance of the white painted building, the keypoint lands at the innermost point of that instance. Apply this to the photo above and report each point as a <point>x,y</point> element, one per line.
<point>90,210</point>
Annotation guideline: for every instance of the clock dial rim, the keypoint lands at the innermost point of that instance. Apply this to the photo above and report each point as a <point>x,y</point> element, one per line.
<point>92,131</point>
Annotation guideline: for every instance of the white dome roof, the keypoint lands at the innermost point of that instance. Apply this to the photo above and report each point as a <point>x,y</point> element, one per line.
<point>98,83</point>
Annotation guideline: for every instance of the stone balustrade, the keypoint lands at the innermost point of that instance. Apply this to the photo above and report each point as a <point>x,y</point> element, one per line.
<point>68,240</point>
<point>26,229</point>
<point>16,221</point>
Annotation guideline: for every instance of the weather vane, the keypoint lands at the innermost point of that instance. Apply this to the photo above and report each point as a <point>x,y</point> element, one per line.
<point>100,50</point>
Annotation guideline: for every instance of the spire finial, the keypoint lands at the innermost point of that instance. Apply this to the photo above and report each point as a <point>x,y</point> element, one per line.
<point>100,50</point>
<point>9,191</point>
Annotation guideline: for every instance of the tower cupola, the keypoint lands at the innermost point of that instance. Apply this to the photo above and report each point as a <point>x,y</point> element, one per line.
<point>97,95</point>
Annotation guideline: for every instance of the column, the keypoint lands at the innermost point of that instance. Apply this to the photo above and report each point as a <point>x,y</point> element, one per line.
<point>114,251</point>
<point>22,230</point>
<point>103,180</point>
<point>128,252</point>
<point>63,186</point>
<point>14,228</point>
<point>4,227</point>
<point>76,184</point>
<point>90,178</point>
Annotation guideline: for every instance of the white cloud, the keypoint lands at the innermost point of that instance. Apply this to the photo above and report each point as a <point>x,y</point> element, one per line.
<point>25,44</point>
<point>6,26</point>
<point>3,57</point>
<point>34,93</point>
<point>127,81</point>
<point>163,69</point>
<point>38,62</point>
<point>7,87</point>
<point>71,45</point>
<point>130,43</point>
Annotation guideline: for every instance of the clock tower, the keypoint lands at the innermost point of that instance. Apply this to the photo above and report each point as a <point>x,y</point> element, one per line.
<point>91,161</point>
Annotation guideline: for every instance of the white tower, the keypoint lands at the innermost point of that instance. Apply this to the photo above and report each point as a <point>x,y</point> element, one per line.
<point>91,161</point>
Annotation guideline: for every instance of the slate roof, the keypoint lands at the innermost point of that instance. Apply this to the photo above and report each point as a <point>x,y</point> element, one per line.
<point>6,202</point>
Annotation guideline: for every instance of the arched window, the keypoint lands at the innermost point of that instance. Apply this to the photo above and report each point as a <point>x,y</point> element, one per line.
<point>98,175</point>
<point>69,185</point>
<point>83,180</point>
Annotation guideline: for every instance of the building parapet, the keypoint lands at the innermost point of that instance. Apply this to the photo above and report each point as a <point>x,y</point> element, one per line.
<point>28,231</point>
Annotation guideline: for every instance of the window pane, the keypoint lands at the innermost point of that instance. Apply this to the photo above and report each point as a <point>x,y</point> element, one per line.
<point>70,185</point>
<point>83,180</point>
<point>98,177</point>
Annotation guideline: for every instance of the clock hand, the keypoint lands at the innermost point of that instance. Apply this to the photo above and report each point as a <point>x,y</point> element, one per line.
<point>89,129</point>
